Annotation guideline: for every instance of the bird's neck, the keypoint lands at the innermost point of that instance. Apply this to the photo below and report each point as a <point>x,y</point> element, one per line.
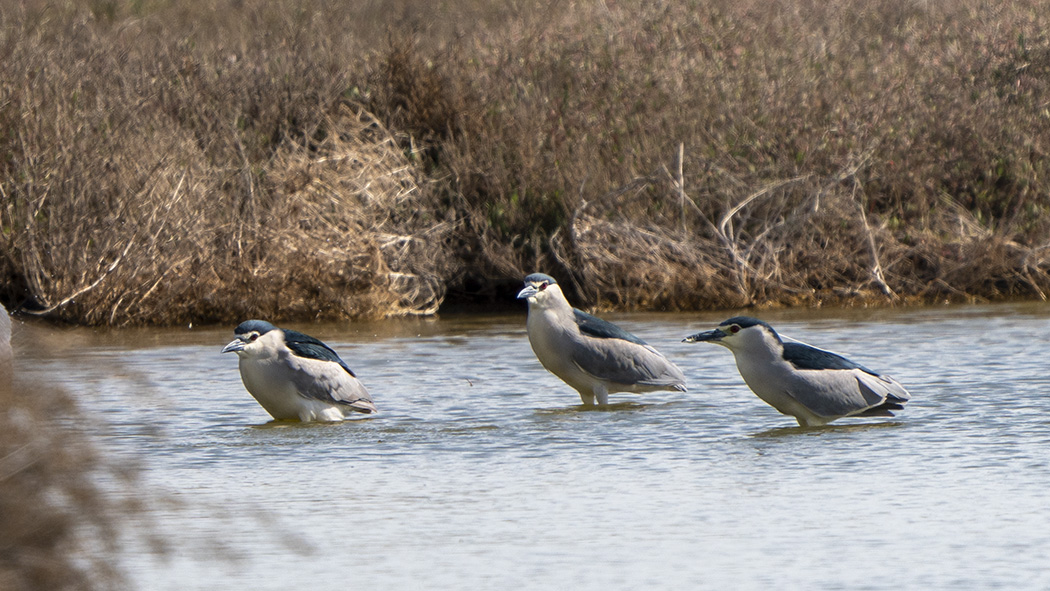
<point>556,308</point>
<point>552,316</point>
<point>751,361</point>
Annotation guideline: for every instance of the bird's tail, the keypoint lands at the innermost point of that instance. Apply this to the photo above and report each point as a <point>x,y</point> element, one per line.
<point>891,403</point>
<point>361,405</point>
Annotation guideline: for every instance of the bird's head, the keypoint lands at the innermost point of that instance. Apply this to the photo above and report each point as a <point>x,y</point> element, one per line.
<point>739,332</point>
<point>245,336</point>
<point>540,289</point>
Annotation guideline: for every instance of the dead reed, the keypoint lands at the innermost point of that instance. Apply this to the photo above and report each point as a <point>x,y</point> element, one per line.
<point>168,164</point>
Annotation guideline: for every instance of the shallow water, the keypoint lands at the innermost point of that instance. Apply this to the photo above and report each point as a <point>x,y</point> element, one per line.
<point>481,470</point>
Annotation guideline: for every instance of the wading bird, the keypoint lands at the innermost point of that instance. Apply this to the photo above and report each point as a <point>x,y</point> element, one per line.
<point>593,356</point>
<point>295,376</point>
<point>813,385</point>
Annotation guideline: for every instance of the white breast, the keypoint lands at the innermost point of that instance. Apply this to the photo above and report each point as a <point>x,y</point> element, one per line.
<point>265,383</point>
<point>550,342</point>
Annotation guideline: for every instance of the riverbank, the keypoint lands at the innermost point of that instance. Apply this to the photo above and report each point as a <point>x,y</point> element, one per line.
<point>318,160</point>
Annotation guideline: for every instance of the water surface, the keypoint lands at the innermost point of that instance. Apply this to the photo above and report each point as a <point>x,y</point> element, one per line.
<point>481,470</point>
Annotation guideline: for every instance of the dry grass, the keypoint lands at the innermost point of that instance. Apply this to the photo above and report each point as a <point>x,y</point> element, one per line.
<point>780,153</point>
<point>153,179</point>
<point>169,164</point>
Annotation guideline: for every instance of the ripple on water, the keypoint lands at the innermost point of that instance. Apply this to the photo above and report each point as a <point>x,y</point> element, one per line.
<point>482,470</point>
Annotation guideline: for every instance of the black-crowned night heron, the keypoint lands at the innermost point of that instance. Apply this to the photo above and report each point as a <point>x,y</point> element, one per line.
<point>813,385</point>
<point>295,376</point>
<point>593,356</point>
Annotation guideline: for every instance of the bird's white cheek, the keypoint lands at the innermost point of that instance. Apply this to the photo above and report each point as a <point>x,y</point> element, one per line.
<point>252,350</point>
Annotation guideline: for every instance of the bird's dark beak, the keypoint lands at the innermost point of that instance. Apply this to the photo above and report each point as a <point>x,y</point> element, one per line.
<point>233,346</point>
<point>711,335</point>
<point>528,292</point>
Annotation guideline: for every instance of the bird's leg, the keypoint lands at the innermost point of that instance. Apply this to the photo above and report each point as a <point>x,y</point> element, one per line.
<point>602,394</point>
<point>587,397</point>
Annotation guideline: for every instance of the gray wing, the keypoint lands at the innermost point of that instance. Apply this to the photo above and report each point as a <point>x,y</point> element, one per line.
<point>836,387</point>
<point>328,381</point>
<point>626,362</point>
<point>890,392</point>
<point>611,353</point>
<point>844,392</point>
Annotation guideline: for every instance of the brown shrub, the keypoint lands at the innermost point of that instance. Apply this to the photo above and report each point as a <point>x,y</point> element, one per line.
<point>152,179</point>
<point>850,142</point>
<point>168,163</point>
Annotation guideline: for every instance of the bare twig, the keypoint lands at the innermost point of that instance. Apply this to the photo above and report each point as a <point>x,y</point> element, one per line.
<point>727,234</point>
<point>876,270</point>
<point>681,184</point>
<point>86,289</point>
<point>1027,267</point>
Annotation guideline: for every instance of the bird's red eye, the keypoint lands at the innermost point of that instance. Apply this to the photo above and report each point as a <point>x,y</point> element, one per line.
<point>734,329</point>
<point>543,286</point>
<point>253,336</point>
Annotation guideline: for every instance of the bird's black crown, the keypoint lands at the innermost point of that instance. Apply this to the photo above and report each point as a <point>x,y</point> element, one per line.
<point>258,326</point>
<point>539,278</point>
